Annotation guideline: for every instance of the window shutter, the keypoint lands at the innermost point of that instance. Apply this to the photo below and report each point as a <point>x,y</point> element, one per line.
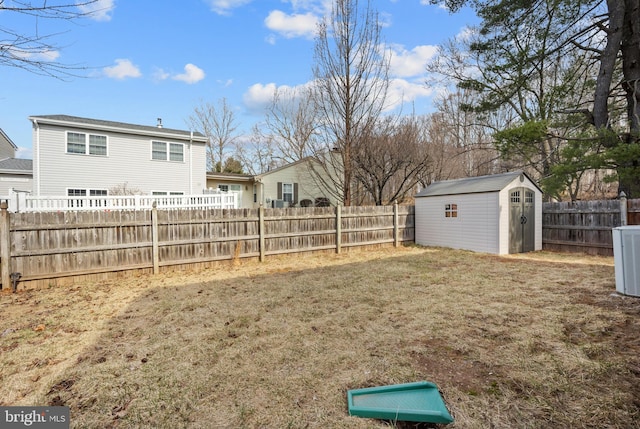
<point>279,190</point>
<point>295,194</point>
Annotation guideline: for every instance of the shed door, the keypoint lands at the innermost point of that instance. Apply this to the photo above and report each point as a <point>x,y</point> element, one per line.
<point>522,234</point>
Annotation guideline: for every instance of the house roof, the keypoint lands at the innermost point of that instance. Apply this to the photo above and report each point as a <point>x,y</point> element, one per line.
<point>282,167</point>
<point>230,176</point>
<point>16,166</point>
<point>472,185</point>
<point>99,124</point>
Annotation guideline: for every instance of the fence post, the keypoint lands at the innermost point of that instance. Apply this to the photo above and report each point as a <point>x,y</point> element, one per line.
<point>623,209</point>
<point>261,231</point>
<point>5,245</point>
<point>396,227</point>
<point>338,228</point>
<point>154,238</point>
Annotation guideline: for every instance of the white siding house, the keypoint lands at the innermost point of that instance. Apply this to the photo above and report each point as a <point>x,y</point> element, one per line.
<point>497,214</point>
<point>293,184</point>
<point>15,173</point>
<point>81,156</point>
<point>232,182</point>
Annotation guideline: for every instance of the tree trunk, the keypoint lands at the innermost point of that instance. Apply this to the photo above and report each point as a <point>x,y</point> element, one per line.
<point>629,181</point>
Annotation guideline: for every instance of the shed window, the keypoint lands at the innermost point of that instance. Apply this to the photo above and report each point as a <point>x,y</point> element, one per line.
<point>450,210</point>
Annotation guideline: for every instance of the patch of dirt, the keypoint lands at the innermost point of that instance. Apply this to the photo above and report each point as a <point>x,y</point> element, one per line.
<point>447,366</point>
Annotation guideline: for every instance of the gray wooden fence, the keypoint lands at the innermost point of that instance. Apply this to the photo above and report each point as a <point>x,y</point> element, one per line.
<point>53,248</point>
<point>585,226</point>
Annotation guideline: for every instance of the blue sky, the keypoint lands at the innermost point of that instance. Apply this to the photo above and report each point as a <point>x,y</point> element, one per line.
<point>159,59</point>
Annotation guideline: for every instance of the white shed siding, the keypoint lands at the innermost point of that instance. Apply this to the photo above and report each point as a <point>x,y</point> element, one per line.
<point>128,161</point>
<point>475,228</point>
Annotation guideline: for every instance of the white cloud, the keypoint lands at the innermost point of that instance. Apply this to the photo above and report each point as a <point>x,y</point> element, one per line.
<point>258,96</point>
<point>294,25</point>
<point>122,70</point>
<point>411,63</point>
<point>224,7</point>
<point>100,10</point>
<point>24,153</point>
<point>192,74</point>
<point>159,74</point>
<point>402,91</point>
<point>34,56</point>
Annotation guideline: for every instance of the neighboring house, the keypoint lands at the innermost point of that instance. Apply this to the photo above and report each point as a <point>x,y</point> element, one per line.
<point>7,146</point>
<point>76,156</point>
<point>498,214</point>
<point>16,174</point>
<point>241,183</point>
<point>291,185</point>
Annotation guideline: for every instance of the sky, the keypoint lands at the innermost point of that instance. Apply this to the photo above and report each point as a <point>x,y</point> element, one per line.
<point>143,60</point>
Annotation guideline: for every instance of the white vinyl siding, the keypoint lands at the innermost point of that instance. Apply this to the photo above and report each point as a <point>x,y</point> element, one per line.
<point>86,144</point>
<point>163,151</point>
<point>475,226</point>
<point>128,163</point>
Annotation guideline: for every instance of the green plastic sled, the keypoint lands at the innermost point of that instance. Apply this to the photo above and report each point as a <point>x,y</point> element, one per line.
<point>413,402</point>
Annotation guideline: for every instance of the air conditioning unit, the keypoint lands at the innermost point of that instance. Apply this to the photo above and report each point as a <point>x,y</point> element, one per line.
<point>279,204</point>
<point>626,256</point>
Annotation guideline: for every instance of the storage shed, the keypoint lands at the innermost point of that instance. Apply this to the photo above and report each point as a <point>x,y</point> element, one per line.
<point>500,213</point>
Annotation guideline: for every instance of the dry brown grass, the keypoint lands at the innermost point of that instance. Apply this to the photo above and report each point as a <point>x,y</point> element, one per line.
<point>526,341</point>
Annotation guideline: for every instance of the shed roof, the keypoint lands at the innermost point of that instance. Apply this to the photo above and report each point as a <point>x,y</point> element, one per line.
<point>472,185</point>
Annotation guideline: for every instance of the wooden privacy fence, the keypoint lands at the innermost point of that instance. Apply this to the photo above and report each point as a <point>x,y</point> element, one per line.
<point>585,226</point>
<point>47,247</point>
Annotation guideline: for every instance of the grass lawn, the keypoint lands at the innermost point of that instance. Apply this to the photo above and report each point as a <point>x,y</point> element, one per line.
<point>538,340</point>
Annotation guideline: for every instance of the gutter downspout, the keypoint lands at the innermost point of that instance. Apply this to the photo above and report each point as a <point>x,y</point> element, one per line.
<point>191,163</point>
<point>37,156</point>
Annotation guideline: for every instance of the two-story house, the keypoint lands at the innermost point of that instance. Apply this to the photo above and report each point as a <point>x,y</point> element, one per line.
<point>75,156</point>
<point>15,173</point>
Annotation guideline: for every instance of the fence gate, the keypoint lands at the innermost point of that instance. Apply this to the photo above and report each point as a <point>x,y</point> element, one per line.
<point>522,229</point>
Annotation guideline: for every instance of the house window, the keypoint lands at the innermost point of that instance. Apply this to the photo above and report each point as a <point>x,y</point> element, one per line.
<point>80,194</point>
<point>223,188</point>
<point>163,151</point>
<point>255,193</point>
<point>287,192</point>
<point>86,144</point>
<point>450,210</point>
<point>165,193</point>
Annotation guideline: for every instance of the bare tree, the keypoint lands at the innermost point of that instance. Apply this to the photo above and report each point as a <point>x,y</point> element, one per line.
<point>256,153</point>
<point>393,161</point>
<point>469,136</point>
<point>218,124</point>
<point>292,121</point>
<point>351,77</point>
<point>35,51</point>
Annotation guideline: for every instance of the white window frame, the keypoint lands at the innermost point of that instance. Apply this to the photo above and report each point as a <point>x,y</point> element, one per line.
<point>84,192</point>
<point>451,210</point>
<point>168,151</point>
<point>86,143</point>
<point>284,194</point>
<point>166,193</point>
